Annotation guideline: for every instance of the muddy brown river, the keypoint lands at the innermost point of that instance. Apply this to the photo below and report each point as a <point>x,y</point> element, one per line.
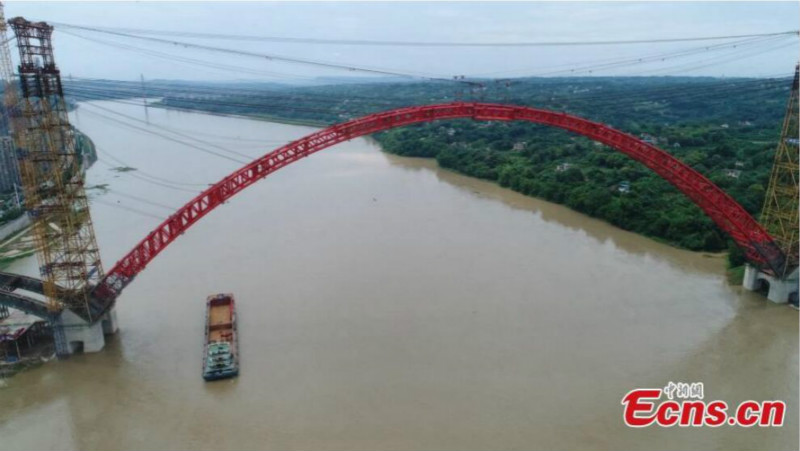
<point>387,304</point>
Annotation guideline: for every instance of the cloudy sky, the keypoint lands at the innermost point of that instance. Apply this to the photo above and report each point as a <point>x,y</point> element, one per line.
<point>90,54</point>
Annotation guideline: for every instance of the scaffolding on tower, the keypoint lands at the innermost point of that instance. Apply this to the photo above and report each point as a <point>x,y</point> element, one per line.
<point>780,213</point>
<point>10,89</point>
<point>52,173</point>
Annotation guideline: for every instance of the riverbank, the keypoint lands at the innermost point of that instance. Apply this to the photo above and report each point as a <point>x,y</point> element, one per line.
<point>33,357</point>
<point>261,117</point>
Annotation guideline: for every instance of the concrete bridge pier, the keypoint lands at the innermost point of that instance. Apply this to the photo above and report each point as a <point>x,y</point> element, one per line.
<point>74,335</point>
<point>779,291</point>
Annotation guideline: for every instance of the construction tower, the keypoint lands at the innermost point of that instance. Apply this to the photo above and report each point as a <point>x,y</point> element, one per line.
<point>52,176</point>
<point>780,213</point>
<point>10,95</point>
<point>10,87</point>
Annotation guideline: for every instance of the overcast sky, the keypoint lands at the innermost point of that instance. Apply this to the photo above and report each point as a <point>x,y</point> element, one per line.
<point>447,21</point>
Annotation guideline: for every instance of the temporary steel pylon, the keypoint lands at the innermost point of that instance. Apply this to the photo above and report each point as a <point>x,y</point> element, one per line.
<point>10,88</point>
<point>780,213</point>
<point>52,176</point>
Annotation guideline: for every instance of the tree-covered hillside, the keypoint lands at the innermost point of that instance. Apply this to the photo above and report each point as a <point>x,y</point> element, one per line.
<point>726,129</point>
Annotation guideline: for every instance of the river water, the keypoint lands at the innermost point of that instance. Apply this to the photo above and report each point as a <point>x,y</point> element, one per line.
<point>387,304</point>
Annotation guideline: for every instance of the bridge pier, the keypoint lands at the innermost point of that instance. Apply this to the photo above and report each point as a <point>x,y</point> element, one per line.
<point>779,291</point>
<point>109,322</point>
<point>74,335</point>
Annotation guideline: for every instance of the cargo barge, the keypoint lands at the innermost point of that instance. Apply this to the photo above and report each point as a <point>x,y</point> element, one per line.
<point>221,350</point>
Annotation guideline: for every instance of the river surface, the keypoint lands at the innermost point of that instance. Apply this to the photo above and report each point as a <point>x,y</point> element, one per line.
<point>387,304</point>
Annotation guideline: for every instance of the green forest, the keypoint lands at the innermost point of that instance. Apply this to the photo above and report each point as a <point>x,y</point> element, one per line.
<point>727,129</point>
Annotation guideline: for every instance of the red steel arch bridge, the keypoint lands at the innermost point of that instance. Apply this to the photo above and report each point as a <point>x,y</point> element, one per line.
<point>757,244</point>
<point>73,279</point>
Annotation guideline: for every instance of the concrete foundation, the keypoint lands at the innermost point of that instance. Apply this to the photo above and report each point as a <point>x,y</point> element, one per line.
<point>109,323</point>
<point>74,335</point>
<point>779,291</point>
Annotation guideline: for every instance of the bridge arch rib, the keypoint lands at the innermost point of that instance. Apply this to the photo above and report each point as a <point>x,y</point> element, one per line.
<point>731,217</point>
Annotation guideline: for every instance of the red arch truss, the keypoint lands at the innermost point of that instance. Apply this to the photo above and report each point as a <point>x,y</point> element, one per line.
<point>719,206</point>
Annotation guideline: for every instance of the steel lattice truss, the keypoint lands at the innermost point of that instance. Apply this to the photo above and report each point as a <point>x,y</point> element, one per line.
<point>719,206</point>
<point>52,177</point>
<point>780,215</point>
